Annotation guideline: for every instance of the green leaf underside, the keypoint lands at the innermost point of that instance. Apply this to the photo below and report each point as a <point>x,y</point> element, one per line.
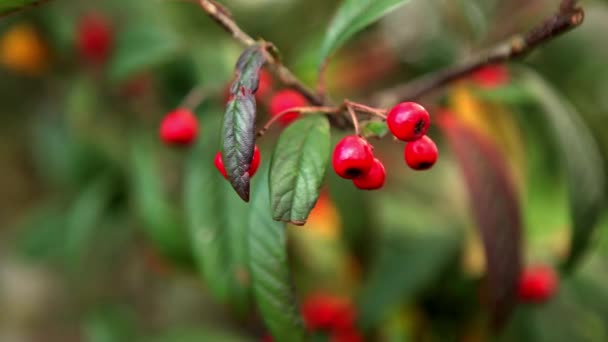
<point>581,161</point>
<point>238,138</point>
<point>496,210</point>
<point>374,129</point>
<point>216,224</point>
<point>298,167</point>
<point>272,286</point>
<point>353,16</point>
<point>239,141</point>
<point>10,6</point>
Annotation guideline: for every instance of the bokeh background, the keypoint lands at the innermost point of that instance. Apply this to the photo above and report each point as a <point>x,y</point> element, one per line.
<point>95,211</point>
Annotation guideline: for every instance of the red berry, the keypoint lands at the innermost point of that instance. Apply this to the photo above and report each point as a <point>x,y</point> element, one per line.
<point>327,312</point>
<point>350,335</point>
<point>537,284</point>
<point>265,85</point>
<point>353,157</point>
<point>179,127</point>
<point>253,168</point>
<point>94,38</point>
<point>491,76</point>
<point>284,100</point>
<point>374,179</point>
<point>421,154</point>
<point>408,121</point>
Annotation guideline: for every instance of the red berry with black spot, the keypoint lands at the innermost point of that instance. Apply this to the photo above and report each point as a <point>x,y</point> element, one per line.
<point>285,100</point>
<point>421,154</point>
<point>537,284</point>
<point>253,168</point>
<point>353,157</point>
<point>408,121</point>
<point>179,127</point>
<point>374,179</point>
<point>94,38</point>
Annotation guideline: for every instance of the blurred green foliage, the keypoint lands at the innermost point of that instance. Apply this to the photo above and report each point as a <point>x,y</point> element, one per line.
<point>106,234</point>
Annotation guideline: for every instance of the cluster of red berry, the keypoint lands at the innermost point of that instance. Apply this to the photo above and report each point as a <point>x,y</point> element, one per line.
<point>353,156</point>
<point>329,314</point>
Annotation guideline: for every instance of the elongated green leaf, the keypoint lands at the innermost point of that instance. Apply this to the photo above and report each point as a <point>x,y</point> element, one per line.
<point>298,167</point>
<point>272,285</point>
<point>238,139</point>
<point>10,6</point>
<point>581,160</point>
<point>161,221</point>
<point>496,210</point>
<point>217,222</point>
<point>85,216</point>
<point>352,17</point>
<point>141,47</point>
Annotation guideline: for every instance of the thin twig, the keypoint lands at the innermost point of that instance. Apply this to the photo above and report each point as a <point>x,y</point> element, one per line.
<point>367,109</point>
<point>299,110</point>
<point>568,17</point>
<point>23,8</point>
<point>222,17</point>
<point>353,117</point>
<point>194,98</point>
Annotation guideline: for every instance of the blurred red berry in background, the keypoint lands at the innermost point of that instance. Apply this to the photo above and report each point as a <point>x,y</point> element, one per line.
<point>285,100</point>
<point>95,38</point>
<point>538,284</point>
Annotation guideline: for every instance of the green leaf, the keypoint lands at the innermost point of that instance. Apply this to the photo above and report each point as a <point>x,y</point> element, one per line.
<point>85,216</point>
<point>406,264</point>
<point>374,129</point>
<point>238,139</point>
<point>496,210</point>
<point>272,286</point>
<point>298,167</point>
<point>216,224</point>
<point>248,69</point>
<point>142,47</point>
<point>161,221</point>
<point>197,334</point>
<point>581,161</point>
<point>10,6</point>
<point>110,323</point>
<point>353,16</point>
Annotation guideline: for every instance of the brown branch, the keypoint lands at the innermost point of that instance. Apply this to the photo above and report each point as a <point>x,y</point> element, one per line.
<point>23,8</point>
<point>223,18</point>
<point>568,17</point>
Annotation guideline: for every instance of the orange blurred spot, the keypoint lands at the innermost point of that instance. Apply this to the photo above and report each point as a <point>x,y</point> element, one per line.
<point>22,50</point>
<point>324,218</point>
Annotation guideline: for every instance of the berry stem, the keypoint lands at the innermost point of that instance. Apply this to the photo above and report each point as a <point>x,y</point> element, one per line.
<point>366,109</point>
<point>353,117</point>
<point>300,110</point>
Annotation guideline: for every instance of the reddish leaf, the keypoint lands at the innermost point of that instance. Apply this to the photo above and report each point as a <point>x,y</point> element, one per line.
<point>495,206</point>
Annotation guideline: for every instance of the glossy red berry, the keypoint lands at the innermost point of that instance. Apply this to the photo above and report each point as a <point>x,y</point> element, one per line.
<point>323,311</point>
<point>374,179</point>
<point>285,100</point>
<point>537,284</point>
<point>353,157</point>
<point>95,38</point>
<point>408,121</point>
<point>255,163</point>
<point>421,154</point>
<point>179,127</point>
